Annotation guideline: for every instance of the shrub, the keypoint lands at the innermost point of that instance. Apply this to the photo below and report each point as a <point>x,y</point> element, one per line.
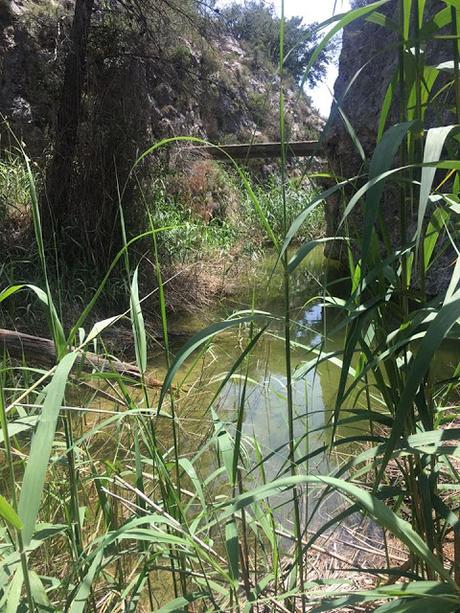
<point>205,189</point>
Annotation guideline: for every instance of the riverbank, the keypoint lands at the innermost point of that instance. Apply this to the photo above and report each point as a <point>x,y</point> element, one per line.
<point>201,257</point>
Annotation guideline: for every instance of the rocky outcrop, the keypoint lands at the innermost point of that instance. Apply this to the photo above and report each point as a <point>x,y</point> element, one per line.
<point>22,62</point>
<point>368,62</point>
<point>143,82</point>
<point>214,90</point>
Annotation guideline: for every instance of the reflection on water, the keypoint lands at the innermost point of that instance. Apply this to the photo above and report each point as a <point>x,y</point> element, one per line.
<point>265,393</point>
<point>266,417</point>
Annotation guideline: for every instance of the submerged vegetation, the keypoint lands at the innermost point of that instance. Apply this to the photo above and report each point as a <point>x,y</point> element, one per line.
<point>119,494</point>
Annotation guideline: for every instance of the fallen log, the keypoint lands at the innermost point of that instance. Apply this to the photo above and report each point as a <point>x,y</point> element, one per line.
<point>39,350</point>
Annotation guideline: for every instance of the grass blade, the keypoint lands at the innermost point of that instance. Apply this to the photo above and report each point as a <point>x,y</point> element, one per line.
<point>9,514</point>
<point>434,144</point>
<point>42,442</point>
<point>140,338</point>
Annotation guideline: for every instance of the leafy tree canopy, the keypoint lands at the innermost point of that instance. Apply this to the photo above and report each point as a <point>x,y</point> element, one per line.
<point>257,23</point>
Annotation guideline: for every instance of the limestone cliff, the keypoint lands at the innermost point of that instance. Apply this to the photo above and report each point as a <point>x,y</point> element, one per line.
<point>209,86</point>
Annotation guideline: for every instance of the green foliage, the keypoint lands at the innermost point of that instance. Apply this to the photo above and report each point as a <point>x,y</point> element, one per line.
<point>149,493</point>
<point>191,235</point>
<point>270,198</point>
<point>258,106</point>
<point>14,186</point>
<point>182,203</point>
<point>256,23</point>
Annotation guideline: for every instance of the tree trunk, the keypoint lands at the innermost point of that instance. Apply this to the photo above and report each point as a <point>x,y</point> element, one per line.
<point>37,350</point>
<point>56,205</point>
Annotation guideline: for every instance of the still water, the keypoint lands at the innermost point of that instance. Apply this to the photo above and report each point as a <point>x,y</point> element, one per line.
<point>265,392</point>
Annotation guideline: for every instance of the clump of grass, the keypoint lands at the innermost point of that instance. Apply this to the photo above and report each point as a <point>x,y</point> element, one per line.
<point>14,186</point>
<point>272,202</point>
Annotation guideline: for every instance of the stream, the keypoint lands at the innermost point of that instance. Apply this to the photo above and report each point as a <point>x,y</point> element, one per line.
<point>265,412</point>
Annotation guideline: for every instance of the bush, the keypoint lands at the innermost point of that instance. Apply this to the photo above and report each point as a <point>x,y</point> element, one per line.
<point>258,106</point>
<point>205,190</point>
<point>192,235</point>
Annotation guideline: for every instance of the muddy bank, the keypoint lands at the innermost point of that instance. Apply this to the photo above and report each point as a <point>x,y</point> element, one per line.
<point>189,288</point>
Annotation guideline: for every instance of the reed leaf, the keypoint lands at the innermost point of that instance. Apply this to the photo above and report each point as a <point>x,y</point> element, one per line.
<point>9,514</point>
<point>42,443</point>
<point>137,319</point>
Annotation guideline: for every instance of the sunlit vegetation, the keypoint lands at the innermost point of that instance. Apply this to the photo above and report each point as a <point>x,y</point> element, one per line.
<point>125,493</point>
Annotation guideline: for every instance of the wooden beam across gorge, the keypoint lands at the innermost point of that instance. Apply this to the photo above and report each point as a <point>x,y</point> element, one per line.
<point>260,150</point>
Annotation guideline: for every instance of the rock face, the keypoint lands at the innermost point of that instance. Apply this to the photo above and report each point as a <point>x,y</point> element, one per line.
<point>368,62</point>
<point>141,85</point>
<point>213,90</point>
<point>20,72</point>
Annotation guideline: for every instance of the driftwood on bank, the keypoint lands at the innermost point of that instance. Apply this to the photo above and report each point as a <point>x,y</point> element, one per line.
<point>38,350</point>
